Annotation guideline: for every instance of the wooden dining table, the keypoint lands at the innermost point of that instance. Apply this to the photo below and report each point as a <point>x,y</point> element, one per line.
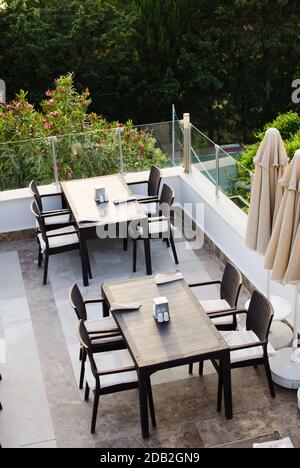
<point>189,336</point>
<point>102,220</point>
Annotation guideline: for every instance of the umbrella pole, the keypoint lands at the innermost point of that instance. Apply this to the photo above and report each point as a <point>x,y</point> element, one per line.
<point>295,355</point>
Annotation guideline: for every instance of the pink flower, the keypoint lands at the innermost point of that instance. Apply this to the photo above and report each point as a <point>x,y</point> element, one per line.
<point>50,102</point>
<point>139,155</point>
<point>48,93</point>
<point>62,89</point>
<point>142,146</point>
<point>46,124</point>
<point>85,126</point>
<point>54,114</point>
<point>30,134</point>
<point>30,106</point>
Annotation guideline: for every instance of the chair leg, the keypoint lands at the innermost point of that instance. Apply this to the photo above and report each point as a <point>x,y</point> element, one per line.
<point>82,369</point>
<point>87,392</point>
<point>269,377</point>
<point>134,255</point>
<point>125,244</point>
<point>80,354</point>
<point>173,248</point>
<point>168,243</point>
<point>148,256</point>
<point>201,368</point>
<point>191,366</point>
<point>95,412</point>
<point>46,268</point>
<point>40,258</point>
<point>89,265</point>
<point>151,404</point>
<point>220,393</point>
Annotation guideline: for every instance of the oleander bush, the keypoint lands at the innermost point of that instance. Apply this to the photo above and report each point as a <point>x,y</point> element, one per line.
<point>87,144</point>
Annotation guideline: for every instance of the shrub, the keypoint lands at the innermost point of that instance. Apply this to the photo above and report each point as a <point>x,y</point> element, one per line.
<point>86,146</point>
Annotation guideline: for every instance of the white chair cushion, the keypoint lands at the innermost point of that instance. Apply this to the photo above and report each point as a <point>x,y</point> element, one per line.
<point>2,351</point>
<point>150,208</point>
<point>60,219</point>
<point>215,305</point>
<point>229,320</point>
<point>59,241</point>
<point>218,305</point>
<point>110,361</point>
<point>102,324</point>
<point>161,226</point>
<point>244,337</point>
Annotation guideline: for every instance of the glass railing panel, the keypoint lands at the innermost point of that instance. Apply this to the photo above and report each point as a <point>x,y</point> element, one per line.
<point>234,180</point>
<point>203,154</point>
<point>20,162</point>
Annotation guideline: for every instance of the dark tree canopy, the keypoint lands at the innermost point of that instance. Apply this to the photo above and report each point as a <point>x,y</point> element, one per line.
<point>230,63</point>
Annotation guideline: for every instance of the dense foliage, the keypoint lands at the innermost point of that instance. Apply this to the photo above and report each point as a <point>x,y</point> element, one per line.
<point>87,145</point>
<point>229,63</point>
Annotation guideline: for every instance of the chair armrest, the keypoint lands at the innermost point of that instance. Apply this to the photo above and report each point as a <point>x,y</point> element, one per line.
<point>148,200</point>
<point>224,314</point>
<point>157,219</point>
<point>53,194</point>
<point>106,334</point>
<point>60,210</point>
<point>248,346</point>
<point>63,234</point>
<point>117,371</point>
<point>94,301</point>
<point>140,182</point>
<point>54,214</point>
<point>208,283</point>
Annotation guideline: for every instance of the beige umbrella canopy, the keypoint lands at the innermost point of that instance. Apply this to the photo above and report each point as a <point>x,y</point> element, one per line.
<point>270,163</point>
<point>283,253</point>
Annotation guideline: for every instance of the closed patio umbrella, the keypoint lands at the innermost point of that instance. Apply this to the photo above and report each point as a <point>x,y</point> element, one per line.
<point>283,258</point>
<point>270,163</point>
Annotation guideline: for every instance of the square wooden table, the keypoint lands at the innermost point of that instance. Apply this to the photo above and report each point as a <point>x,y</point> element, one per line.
<point>189,337</point>
<point>93,218</point>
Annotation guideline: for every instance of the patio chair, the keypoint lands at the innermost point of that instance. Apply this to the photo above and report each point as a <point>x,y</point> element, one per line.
<point>157,227</point>
<point>230,288</point>
<point>110,373</point>
<point>153,186</point>
<point>53,219</point>
<point>54,242</point>
<point>250,347</point>
<point>104,333</point>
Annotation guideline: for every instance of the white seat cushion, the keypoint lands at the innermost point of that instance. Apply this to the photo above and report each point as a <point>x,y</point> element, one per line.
<point>150,208</point>
<point>244,337</point>
<point>110,361</point>
<point>218,305</point>
<point>59,241</point>
<point>60,219</point>
<point>215,305</point>
<point>102,324</point>
<point>161,226</point>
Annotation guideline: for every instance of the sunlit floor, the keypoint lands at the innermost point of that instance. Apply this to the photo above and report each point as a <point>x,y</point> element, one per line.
<point>42,406</point>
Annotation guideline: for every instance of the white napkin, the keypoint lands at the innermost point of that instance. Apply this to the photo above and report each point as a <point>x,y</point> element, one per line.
<point>120,307</point>
<point>277,444</point>
<point>164,278</point>
<point>122,200</point>
<point>88,219</point>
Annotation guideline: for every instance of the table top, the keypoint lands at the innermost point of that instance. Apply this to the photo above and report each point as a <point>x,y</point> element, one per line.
<point>88,213</point>
<point>190,333</point>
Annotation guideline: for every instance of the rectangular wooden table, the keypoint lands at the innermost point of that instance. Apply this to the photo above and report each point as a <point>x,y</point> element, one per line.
<point>96,220</point>
<point>189,337</point>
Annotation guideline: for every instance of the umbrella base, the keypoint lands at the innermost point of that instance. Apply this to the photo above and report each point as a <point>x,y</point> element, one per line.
<point>285,373</point>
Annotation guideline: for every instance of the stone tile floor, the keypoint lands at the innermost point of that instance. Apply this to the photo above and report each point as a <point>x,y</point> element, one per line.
<point>42,406</point>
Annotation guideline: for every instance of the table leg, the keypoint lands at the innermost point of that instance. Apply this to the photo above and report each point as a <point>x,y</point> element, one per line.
<point>226,377</point>
<point>84,260</point>
<point>143,397</point>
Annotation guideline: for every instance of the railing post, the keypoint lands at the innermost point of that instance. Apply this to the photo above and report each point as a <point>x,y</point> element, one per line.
<point>187,143</point>
<point>217,170</point>
<point>173,134</point>
<point>52,140</point>
<point>119,133</point>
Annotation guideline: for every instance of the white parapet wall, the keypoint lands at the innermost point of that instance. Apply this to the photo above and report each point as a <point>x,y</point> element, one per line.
<point>223,222</point>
